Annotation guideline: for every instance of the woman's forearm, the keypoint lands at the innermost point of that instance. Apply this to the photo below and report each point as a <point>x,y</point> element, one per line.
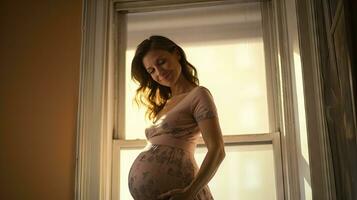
<point>208,168</point>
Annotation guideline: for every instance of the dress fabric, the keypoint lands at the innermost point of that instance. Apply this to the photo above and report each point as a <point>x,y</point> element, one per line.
<point>168,160</point>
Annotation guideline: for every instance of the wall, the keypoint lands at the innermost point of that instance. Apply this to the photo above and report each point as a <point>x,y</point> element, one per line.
<point>39,82</point>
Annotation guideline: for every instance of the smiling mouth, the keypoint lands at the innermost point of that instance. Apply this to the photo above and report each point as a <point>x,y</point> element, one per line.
<point>166,75</point>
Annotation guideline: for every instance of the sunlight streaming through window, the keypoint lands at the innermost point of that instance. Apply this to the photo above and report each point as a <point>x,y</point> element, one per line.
<point>235,75</point>
<point>246,173</point>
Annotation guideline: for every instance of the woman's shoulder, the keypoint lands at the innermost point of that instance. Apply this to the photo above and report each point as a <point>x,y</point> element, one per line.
<point>200,93</point>
<point>202,90</point>
<point>202,104</point>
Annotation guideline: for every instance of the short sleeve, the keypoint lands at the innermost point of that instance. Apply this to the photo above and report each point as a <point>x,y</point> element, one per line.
<point>203,106</point>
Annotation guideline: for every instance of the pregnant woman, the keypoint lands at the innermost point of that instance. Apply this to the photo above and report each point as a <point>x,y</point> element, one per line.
<point>180,110</point>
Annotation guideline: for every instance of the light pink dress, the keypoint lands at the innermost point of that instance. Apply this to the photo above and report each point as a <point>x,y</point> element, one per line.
<point>169,163</point>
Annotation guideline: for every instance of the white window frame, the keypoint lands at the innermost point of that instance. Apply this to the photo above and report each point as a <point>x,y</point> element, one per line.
<point>99,110</point>
<point>120,21</point>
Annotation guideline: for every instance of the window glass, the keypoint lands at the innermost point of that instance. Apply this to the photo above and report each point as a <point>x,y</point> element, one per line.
<point>127,157</point>
<point>225,44</point>
<point>247,172</point>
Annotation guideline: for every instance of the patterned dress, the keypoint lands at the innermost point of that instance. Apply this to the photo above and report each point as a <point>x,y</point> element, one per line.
<point>168,160</point>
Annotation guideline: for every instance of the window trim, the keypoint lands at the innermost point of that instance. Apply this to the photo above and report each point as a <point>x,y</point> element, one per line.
<point>154,5</point>
<point>94,118</point>
<point>119,24</point>
<point>273,99</point>
<point>287,108</point>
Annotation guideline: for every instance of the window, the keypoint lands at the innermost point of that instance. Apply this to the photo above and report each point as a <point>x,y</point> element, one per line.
<point>101,109</point>
<point>226,45</point>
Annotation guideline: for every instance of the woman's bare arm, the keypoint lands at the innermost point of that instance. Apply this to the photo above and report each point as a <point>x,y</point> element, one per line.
<point>212,136</point>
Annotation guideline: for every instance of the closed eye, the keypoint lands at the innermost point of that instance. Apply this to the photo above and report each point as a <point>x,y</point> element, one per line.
<point>150,71</point>
<point>159,62</point>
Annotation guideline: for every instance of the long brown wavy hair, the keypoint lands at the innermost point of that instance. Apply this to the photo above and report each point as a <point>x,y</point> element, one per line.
<point>149,93</point>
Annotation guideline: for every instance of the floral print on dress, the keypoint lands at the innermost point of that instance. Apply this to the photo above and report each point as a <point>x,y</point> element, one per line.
<point>162,168</point>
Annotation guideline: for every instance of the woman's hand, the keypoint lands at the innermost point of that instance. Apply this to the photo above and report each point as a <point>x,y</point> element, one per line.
<point>176,194</point>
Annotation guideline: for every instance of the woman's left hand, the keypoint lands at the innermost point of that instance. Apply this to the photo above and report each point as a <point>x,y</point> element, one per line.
<point>176,194</point>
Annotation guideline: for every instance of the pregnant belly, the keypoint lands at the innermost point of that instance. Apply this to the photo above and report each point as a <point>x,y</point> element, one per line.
<point>159,170</point>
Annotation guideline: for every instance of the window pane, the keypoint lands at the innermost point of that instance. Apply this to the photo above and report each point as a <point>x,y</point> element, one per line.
<point>247,172</point>
<point>225,45</point>
<point>127,157</point>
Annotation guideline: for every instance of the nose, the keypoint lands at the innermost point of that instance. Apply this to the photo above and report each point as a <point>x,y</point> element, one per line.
<point>161,71</point>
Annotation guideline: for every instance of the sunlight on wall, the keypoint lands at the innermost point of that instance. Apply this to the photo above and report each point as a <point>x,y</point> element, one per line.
<point>301,107</point>
<point>308,190</point>
<point>304,165</point>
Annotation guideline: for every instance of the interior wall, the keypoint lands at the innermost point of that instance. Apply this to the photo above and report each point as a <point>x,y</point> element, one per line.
<point>39,83</point>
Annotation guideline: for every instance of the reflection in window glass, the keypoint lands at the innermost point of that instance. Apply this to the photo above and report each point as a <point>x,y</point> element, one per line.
<point>225,45</point>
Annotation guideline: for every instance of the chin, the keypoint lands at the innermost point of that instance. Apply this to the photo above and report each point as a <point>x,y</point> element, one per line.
<point>166,84</point>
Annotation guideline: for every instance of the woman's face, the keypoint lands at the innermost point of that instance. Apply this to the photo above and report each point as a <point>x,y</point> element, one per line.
<point>163,66</point>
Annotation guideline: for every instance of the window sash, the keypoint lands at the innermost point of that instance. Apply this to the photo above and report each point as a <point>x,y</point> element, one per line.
<point>248,139</point>
<point>120,26</point>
